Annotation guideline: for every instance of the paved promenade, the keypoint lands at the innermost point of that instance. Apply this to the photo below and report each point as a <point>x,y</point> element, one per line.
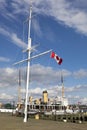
<point>9,122</point>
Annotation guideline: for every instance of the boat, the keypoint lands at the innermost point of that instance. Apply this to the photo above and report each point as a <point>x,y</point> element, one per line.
<point>33,111</point>
<point>58,112</point>
<point>54,112</point>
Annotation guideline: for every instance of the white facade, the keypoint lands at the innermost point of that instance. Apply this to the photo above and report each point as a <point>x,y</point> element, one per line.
<point>63,101</point>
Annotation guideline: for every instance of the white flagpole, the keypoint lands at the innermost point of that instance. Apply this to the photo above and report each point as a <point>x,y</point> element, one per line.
<point>28,67</point>
<point>29,50</point>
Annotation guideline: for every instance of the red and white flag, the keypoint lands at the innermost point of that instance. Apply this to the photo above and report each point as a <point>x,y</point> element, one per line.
<point>56,57</point>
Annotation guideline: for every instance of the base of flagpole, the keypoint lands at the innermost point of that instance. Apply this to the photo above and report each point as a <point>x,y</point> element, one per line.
<point>25,119</point>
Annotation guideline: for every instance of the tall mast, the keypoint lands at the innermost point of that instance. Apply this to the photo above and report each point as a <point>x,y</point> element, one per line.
<point>62,86</point>
<point>28,65</point>
<point>19,88</point>
<point>28,50</point>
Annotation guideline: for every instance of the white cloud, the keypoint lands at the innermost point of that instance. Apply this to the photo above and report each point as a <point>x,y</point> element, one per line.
<point>46,75</point>
<point>13,37</point>
<point>79,88</point>
<point>38,91</point>
<point>8,77</point>
<point>5,96</point>
<point>77,99</point>
<point>39,74</point>
<point>18,41</point>
<point>56,91</point>
<point>37,27</point>
<point>84,100</point>
<point>42,78</point>
<point>82,73</point>
<point>4,32</point>
<point>63,11</point>
<point>4,59</point>
<point>69,13</point>
<point>34,91</point>
<point>2,3</point>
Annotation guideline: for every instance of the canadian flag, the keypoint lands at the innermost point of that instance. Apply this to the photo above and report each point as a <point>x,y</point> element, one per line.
<point>56,57</point>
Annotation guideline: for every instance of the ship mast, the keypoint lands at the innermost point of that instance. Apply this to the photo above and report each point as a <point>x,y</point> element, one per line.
<point>62,86</point>
<point>19,88</point>
<point>28,65</point>
<point>29,58</point>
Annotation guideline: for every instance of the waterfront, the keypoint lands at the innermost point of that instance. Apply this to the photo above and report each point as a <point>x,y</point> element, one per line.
<point>9,122</point>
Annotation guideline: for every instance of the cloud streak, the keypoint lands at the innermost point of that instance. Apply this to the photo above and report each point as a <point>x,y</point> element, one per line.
<point>4,59</point>
<point>13,37</point>
<point>63,11</point>
<point>82,73</point>
<point>4,96</point>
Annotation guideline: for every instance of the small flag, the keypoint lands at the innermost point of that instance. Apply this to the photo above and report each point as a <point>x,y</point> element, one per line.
<point>56,57</point>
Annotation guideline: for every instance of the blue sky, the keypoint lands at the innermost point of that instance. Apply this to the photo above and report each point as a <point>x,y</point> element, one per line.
<point>60,25</point>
